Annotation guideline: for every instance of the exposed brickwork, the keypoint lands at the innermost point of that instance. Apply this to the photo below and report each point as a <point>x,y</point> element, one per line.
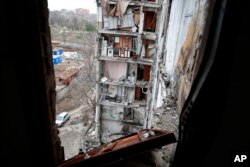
<point>58,152</point>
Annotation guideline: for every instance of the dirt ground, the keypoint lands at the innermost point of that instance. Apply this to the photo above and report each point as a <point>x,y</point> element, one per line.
<point>71,133</point>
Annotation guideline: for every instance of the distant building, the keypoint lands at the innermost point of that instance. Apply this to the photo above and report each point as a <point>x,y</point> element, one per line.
<point>82,11</point>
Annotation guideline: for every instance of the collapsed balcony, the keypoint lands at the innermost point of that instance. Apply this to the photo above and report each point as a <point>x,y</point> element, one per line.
<point>131,21</point>
<point>129,16</point>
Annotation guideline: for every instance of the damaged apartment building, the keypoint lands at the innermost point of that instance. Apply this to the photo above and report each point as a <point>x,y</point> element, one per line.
<point>199,59</point>
<point>147,57</point>
<point>126,53</point>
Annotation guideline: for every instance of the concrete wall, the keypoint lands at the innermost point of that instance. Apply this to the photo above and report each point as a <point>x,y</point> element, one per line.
<point>62,93</point>
<point>139,114</point>
<point>115,70</point>
<point>182,47</point>
<point>28,87</point>
<point>162,21</point>
<point>173,33</point>
<point>111,126</point>
<point>161,94</point>
<point>111,122</point>
<point>112,113</point>
<point>130,93</point>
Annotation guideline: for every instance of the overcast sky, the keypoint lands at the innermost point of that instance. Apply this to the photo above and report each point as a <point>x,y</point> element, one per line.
<point>72,4</point>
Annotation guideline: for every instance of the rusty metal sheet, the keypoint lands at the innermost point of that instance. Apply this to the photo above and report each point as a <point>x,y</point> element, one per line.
<point>67,76</point>
<point>122,148</point>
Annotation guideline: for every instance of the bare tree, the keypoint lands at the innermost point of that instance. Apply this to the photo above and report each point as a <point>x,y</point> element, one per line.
<point>70,19</point>
<point>88,54</point>
<point>78,30</point>
<point>65,33</point>
<point>90,97</point>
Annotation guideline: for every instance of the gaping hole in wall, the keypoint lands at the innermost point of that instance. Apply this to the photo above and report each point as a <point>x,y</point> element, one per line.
<point>143,72</point>
<point>115,18</point>
<point>133,19</point>
<point>73,34</point>
<point>140,93</point>
<point>150,21</point>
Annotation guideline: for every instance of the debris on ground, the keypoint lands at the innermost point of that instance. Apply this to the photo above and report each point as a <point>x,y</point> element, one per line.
<point>166,118</point>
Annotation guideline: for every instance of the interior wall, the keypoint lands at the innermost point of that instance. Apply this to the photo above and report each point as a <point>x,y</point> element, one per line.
<point>111,126</point>
<point>172,34</point>
<point>215,119</point>
<point>139,114</point>
<point>29,136</point>
<point>183,44</point>
<point>112,113</point>
<point>115,70</point>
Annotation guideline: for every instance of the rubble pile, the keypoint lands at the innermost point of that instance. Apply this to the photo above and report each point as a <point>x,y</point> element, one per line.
<point>166,118</point>
<point>89,140</point>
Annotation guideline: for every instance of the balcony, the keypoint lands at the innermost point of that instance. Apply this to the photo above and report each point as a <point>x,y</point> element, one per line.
<point>127,60</point>
<point>124,104</point>
<point>145,35</point>
<point>127,83</point>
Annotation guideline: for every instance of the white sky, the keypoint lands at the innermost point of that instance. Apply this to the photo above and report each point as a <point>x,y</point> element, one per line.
<point>72,4</point>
